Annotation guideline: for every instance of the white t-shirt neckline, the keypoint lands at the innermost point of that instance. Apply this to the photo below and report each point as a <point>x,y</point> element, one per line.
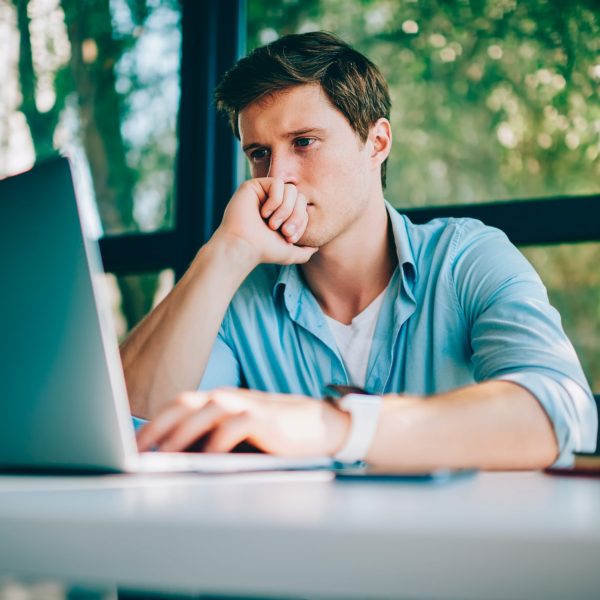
<point>354,341</point>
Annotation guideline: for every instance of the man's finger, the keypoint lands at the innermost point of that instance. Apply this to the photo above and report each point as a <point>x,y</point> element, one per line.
<point>301,254</point>
<point>295,225</point>
<point>193,427</point>
<point>285,209</point>
<point>275,192</point>
<point>230,432</point>
<point>156,430</point>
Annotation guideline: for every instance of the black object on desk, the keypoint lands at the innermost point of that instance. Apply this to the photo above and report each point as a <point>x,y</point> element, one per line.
<point>363,472</point>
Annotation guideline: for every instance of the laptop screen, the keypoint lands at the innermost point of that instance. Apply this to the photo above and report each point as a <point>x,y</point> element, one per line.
<point>63,403</point>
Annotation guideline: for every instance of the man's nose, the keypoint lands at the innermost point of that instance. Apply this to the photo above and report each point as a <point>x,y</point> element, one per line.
<point>283,166</point>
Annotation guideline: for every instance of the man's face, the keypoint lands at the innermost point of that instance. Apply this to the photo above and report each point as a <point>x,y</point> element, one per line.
<point>297,135</point>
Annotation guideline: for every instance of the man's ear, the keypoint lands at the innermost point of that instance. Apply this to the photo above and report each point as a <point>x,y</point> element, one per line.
<point>380,141</point>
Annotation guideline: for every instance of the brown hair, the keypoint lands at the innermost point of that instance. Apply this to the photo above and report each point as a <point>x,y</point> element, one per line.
<point>353,84</point>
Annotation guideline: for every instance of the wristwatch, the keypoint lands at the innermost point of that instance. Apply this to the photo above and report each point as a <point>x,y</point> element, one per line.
<point>364,409</point>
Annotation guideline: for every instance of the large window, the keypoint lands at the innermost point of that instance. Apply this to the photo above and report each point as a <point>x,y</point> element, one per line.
<point>495,100</point>
<point>98,80</point>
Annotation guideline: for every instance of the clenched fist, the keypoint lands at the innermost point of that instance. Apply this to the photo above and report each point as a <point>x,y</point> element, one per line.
<point>270,216</point>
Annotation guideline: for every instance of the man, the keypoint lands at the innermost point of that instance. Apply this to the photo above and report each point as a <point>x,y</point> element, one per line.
<point>312,279</point>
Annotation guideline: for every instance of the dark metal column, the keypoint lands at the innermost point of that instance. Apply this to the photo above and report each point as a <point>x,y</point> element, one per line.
<point>213,38</point>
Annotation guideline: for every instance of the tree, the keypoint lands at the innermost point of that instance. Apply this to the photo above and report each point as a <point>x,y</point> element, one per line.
<point>89,77</point>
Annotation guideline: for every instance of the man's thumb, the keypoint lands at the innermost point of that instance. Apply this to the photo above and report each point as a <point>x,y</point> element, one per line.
<point>303,254</point>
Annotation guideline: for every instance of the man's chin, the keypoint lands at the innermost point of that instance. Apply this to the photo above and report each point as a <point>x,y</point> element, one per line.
<point>310,238</point>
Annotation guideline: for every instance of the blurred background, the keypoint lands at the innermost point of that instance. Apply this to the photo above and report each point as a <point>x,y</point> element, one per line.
<point>492,101</point>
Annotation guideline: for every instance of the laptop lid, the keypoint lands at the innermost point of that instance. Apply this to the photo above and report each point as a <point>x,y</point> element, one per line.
<point>63,403</point>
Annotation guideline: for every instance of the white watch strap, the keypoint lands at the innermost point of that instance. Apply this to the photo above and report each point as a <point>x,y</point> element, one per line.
<point>364,414</point>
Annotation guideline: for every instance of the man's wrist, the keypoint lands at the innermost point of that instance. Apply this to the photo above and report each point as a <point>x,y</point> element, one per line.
<point>236,246</point>
<point>340,424</point>
<point>363,411</point>
<point>222,264</point>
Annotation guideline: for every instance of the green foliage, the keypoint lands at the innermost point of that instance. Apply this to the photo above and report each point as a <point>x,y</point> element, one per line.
<point>491,100</point>
<point>101,80</point>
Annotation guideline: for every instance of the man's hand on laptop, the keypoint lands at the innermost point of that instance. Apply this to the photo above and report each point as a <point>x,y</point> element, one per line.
<point>283,424</point>
<point>267,217</point>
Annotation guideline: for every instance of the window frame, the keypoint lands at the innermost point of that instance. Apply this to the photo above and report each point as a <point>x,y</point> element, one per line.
<point>209,163</point>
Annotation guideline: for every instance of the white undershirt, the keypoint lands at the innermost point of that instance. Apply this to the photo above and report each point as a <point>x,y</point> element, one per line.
<point>354,341</point>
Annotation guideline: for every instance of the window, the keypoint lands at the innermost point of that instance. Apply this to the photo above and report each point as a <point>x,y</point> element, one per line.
<point>152,297</point>
<point>491,101</point>
<point>574,289</point>
<point>100,82</point>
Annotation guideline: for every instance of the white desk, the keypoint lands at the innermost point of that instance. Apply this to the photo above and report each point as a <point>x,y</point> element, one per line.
<point>505,535</point>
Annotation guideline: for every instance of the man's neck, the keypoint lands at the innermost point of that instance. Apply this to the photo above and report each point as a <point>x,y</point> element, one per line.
<point>347,274</point>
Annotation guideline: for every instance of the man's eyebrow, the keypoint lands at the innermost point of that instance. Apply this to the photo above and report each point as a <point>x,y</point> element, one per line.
<point>304,131</point>
<point>250,146</point>
<point>294,133</point>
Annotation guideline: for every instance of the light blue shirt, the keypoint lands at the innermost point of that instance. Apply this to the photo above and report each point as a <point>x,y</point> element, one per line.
<point>463,306</point>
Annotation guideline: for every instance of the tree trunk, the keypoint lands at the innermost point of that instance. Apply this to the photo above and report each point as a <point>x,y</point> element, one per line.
<point>41,124</point>
<point>100,110</point>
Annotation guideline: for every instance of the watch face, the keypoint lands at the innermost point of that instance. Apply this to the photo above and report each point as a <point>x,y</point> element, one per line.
<point>338,391</point>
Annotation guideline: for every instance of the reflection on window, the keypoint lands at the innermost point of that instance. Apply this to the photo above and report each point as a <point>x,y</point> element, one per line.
<point>98,81</point>
<point>133,296</point>
<point>574,289</point>
<point>491,100</point>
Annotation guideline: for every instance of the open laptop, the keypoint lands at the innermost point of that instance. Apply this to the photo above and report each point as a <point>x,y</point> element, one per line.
<point>63,403</point>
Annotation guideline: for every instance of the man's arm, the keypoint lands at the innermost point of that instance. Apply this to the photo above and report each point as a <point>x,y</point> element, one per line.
<point>491,425</point>
<point>532,402</point>
<point>169,350</point>
<point>516,336</point>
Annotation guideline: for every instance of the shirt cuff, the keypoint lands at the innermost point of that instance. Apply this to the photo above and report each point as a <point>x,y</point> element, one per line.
<point>570,408</point>
<point>138,422</point>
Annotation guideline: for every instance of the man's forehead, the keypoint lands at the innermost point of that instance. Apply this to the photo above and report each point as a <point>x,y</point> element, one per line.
<point>294,109</point>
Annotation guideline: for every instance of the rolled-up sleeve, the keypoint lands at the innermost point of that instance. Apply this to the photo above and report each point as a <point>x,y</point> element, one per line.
<point>516,335</point>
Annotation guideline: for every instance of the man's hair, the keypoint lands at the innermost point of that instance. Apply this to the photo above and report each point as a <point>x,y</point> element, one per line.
<point>353,84</point>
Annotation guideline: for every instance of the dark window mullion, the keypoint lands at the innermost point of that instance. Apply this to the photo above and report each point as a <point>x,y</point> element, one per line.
<point>212,40</point>
<point>138,253</point>
<point>529,222</point>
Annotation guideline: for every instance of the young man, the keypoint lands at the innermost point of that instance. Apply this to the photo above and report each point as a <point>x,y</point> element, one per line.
<point>312,279</point>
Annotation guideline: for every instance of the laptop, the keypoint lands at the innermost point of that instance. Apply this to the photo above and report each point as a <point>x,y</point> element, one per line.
<point>63,404</point>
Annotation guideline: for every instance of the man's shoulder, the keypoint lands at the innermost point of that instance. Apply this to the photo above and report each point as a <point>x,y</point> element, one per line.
<point>449,227</point>
<point>448,236</point>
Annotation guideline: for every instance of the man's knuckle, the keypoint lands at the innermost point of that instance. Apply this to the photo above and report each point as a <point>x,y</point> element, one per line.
<point>224,389</point>
<point>185,399</point>
<point>213,403</point>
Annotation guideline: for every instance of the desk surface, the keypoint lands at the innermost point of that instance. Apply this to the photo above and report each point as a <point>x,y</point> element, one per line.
<point>498,535</point>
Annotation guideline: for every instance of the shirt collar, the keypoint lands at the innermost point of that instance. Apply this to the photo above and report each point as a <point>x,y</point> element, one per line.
<point>290,278</point>
<point>403,245</point>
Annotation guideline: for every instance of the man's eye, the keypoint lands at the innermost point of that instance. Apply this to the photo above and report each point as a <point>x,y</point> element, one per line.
<point>304,142</point>
<point>259,155</point>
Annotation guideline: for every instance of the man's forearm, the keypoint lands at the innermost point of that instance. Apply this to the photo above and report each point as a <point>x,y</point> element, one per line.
<point>492,425</point>
<point>168,351</point>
